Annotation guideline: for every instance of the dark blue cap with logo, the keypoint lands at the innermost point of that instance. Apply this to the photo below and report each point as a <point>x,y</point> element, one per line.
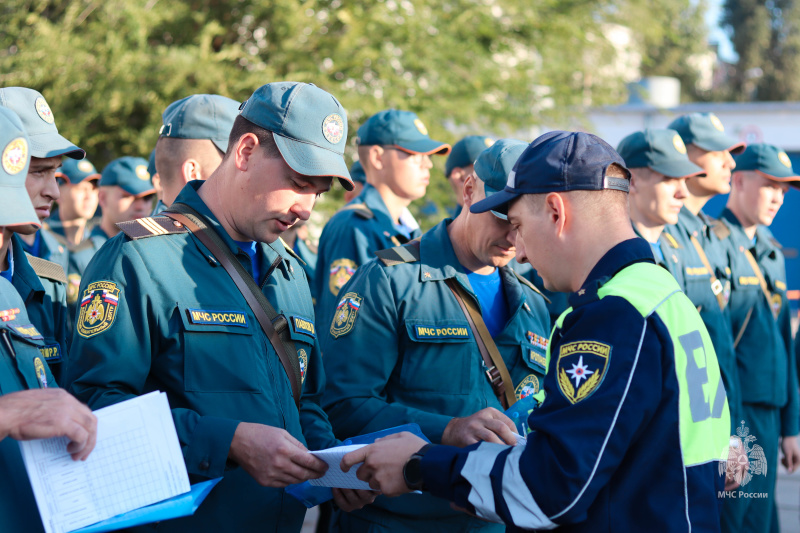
<point>401,129</point>
<point>131,174</point>
<point>769,160</point>
<point>201,116</point>
<point>659,150</point>
<point>705,130</point>
<point>37,117</point>
<point>559,161</point>
<point>76,171</point>
<point>357,173</point>
<point>494,164</point>
<point>15,158</point>
<point>309,127</point>
<point>466,151</point>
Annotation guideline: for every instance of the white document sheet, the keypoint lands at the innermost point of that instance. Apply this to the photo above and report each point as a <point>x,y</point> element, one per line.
<point>137,461</point>
<point>334,477</point>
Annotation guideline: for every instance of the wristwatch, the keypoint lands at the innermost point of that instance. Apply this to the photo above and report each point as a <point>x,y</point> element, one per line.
<point>412,471</point>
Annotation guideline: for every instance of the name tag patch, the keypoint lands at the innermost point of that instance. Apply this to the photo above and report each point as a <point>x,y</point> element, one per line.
<point>205,317</point>
<point>447,332</point>
<point>538,358</point>
<point>29,331</point>
<point>304,326</point>
<point>696,271</point>
<point>51,353</point>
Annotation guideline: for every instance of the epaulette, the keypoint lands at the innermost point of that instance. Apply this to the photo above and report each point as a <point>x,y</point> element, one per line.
<point>775,243</point>
<point>671,240</point>
<point>408,253</point>
<point>721,229</point>
<point>291,252</point>
<point>47,269</point>
<point>150,227</point>
<point>530,285</point>
<point>360,209</point>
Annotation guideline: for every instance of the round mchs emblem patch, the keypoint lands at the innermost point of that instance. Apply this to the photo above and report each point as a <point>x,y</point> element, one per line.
<point>333,128</point>
<point>716,122</point>
<point>420,126</point>
<point>85,166</point>
<point>785,159</point>
<point>43,110</point>
<point>142,173</point>
<point>677,142</point>
<point>488,142</point>
<point>15,155</point>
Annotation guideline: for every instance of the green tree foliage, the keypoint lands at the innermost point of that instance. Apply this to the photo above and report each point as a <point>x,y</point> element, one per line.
<point>766,37</point>
<point>109,67</point>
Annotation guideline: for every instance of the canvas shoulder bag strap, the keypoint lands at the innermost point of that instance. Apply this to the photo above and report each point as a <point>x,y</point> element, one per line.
<point>275,326</point>
<point>716,284</point>
<point>761,281</point>
<point>497,372</point>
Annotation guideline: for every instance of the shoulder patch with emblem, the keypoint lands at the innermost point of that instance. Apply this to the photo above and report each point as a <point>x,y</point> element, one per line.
<point>302,359</point>
<point>527,387</point>
<point>360,209</point>
<point>345,315</point>
<point>98,308</point>
<point>47,269</point>
<point>397,255</point>
<point>340,273</point>
<point>41,373</point>
<point>151,227</point>
<point>580,368</point>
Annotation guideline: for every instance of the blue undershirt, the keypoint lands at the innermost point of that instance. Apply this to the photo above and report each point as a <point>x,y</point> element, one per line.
<point>492,297</point>
<point>9,274</point>
<point>249,247</point>
<point>35,248</point>
<point>658,253</point>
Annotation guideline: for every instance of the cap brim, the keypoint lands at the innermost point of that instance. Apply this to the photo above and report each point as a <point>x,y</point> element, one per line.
<point>721,143</point>
<point>496,202</point>
<point>138,192</point>
<point>680,169</point>
<point>424,146</point>
<point>52,145</point>
<point>310,160</point>
<point>491,191</point>
<point>16,208</point>
<point>792,180</point>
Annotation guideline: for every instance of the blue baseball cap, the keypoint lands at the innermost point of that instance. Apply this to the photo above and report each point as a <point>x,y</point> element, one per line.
<point>39,123</point>
<point>76,171</point>
<point>559,161</point>
<point>659,150</point>
<point>769,160</point>
<point>357,173</point>
<point>201,116</point>
<point>131,174</point>
<point>151,164</point>
<point>15,158</point>
<point>309,126</point>
<point>466,151</point>
<point>706,131</point>
<point>401,129</point>
<point>494,164</point>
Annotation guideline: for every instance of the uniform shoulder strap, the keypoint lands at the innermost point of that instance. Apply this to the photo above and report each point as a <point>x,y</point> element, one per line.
<point>408,253</point>
<point>47,269</point>
<point>671,240</point>
<point>291,252</point>
<point>528,284</point>
<point>360,209</point>
<point>721,229</point>
<point>84,245</point>
<point>150,227</point>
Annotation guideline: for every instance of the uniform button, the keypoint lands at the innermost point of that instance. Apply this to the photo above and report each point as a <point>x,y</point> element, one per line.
<point>204,465</point>
<point>177,224</point>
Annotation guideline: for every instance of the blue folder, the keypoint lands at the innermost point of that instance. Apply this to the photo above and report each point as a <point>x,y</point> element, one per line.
<point>176,507</point>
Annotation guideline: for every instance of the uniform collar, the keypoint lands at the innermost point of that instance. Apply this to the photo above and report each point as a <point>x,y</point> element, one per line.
<point>624,254</point>
<point>97,231</point>
<point>437,256</point>
<point>373,200</point>
<point>693,223</point>
<point>159,208</point>
<point>24,278</point>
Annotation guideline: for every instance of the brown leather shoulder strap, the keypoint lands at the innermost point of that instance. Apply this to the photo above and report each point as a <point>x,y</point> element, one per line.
<point>502,384</point>
<point>716,284</point>
<point>265,314</point>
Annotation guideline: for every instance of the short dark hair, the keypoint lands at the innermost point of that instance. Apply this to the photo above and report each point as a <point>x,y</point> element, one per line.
<point>242,126</point>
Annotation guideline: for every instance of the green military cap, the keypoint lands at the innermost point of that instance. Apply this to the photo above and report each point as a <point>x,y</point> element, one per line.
<point>76,171</point>
<point>39,123</point>
<point>201,116</point>
<point>659,150</point>
<point>357,173</point>
<point>466,151</point>
<point>495,163</point>
<point>151,164</point>
<point>706,131</point>
<point>402,129</point>
<point>309,126</point>
<point>15,204</point>
<point>130,173</point>
<point>769,160</point>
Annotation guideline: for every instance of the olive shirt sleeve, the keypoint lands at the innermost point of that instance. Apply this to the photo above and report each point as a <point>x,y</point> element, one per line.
<point>113,365</point>
<point>361,361</point>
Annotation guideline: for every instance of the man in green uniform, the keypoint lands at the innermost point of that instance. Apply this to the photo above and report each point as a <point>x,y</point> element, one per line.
<point>394,149</point>
<point>30,405</point>
<point>430,368</point>
<point>192,141</point>
<point>460,163</point>
<point>40,283</point>
<point>762,331</point>
<point>634,398</point>
<point>159,311</point>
